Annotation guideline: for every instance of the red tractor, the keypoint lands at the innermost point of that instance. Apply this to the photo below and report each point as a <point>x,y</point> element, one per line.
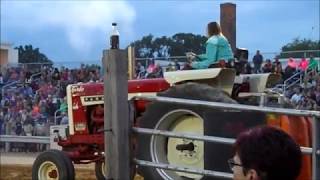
<point>82,140</point>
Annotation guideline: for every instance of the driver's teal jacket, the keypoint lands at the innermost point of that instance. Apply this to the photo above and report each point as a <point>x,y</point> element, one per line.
<point>217,48</point>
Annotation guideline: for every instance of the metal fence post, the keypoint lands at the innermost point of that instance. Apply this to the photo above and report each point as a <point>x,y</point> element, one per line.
<point>116,119</point>
<point>316,148</point>
<point>7,146</point>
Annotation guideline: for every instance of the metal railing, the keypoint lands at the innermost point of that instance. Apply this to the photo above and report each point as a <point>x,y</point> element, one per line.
<point>56,116</point>
<point>301,51</point>
<point>32,77</point>
<point>161,58</point>
<point>221,140</point>
<point>300,77</point>
<point>314,151</point>
<point>166,60</point>
<point>16,82</point>
<point>25,139</point>
<point>8,139</point>
<point>184,169</point>
<point>8,85</point>
<point>287,84</point>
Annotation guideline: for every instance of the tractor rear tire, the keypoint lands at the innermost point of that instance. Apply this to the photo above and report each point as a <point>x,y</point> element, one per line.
<point>99,169</point>
<point>53,164</point>
<point>177,117</point>
<point>195,119</point>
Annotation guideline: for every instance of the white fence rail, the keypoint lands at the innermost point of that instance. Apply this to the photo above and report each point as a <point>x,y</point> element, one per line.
<point>25,139</point>
<point>9,139</point>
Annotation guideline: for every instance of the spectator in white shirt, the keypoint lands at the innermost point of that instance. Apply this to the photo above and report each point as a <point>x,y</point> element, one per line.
<point>297,96</point>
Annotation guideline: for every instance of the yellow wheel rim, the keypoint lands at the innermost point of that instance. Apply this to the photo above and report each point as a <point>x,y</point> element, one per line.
<point>103,169</point>
<point>168,150</point>
<point>192,157</point>
<point>48,171</point>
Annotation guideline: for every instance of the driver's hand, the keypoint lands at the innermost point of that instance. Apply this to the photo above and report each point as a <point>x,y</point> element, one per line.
<point>190,54</point>
<point>191,58</point>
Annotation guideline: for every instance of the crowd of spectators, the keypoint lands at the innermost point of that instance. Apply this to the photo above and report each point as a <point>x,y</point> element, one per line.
<point>305,95</point>
<point>31,103</point>
<point>305,98</point>
<point>154,70</point>
<point>13,74</point>
<point>28,107</point>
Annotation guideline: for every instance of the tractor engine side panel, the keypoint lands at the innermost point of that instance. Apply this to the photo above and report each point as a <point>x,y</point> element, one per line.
<point>82,97</point>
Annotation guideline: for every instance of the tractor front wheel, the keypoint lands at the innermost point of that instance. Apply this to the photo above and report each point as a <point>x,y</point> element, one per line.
<point>53,165</point>
<point>100,168</point>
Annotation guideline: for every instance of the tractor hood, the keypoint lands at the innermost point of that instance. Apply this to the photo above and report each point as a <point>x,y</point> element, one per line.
<point>217,77</point>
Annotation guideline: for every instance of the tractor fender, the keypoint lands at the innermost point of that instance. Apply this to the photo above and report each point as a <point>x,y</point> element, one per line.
<point>221,78</point>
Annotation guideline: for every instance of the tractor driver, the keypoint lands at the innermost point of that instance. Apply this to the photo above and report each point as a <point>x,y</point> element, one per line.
<point>217,49</point>
<point>97,114</point>
<point>97,119</point>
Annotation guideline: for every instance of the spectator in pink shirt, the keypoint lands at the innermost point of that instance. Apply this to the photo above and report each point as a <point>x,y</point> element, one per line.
<point>290,69</point>
<point>292,63</point>
<point>303,64</point>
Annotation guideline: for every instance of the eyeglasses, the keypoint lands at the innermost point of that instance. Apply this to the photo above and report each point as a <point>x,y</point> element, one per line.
<point>232,164</point>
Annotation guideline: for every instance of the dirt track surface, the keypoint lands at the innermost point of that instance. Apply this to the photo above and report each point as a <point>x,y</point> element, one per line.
<point>18,166</point>
<point>23,172</point>
<point>17,158</point>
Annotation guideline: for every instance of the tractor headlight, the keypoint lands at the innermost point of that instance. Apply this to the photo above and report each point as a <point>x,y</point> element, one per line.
<point>81,126</point>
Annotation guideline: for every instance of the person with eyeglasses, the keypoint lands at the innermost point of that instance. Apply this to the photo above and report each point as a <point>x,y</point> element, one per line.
<point>265,153</point>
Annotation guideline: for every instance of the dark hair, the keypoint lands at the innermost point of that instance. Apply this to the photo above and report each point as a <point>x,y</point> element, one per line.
<point>213,29</point>
<point>270,151</point>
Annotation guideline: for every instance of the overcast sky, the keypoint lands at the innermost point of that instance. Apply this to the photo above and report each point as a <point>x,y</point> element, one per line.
<point>78,31</point>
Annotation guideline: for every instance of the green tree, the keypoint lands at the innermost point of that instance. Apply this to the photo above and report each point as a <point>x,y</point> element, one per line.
<point>144,47</point>
<point>177,45</point>
<point>186,42</point>
<point>162,46</point>
<point>28,54</point>
<point>299,45</point>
